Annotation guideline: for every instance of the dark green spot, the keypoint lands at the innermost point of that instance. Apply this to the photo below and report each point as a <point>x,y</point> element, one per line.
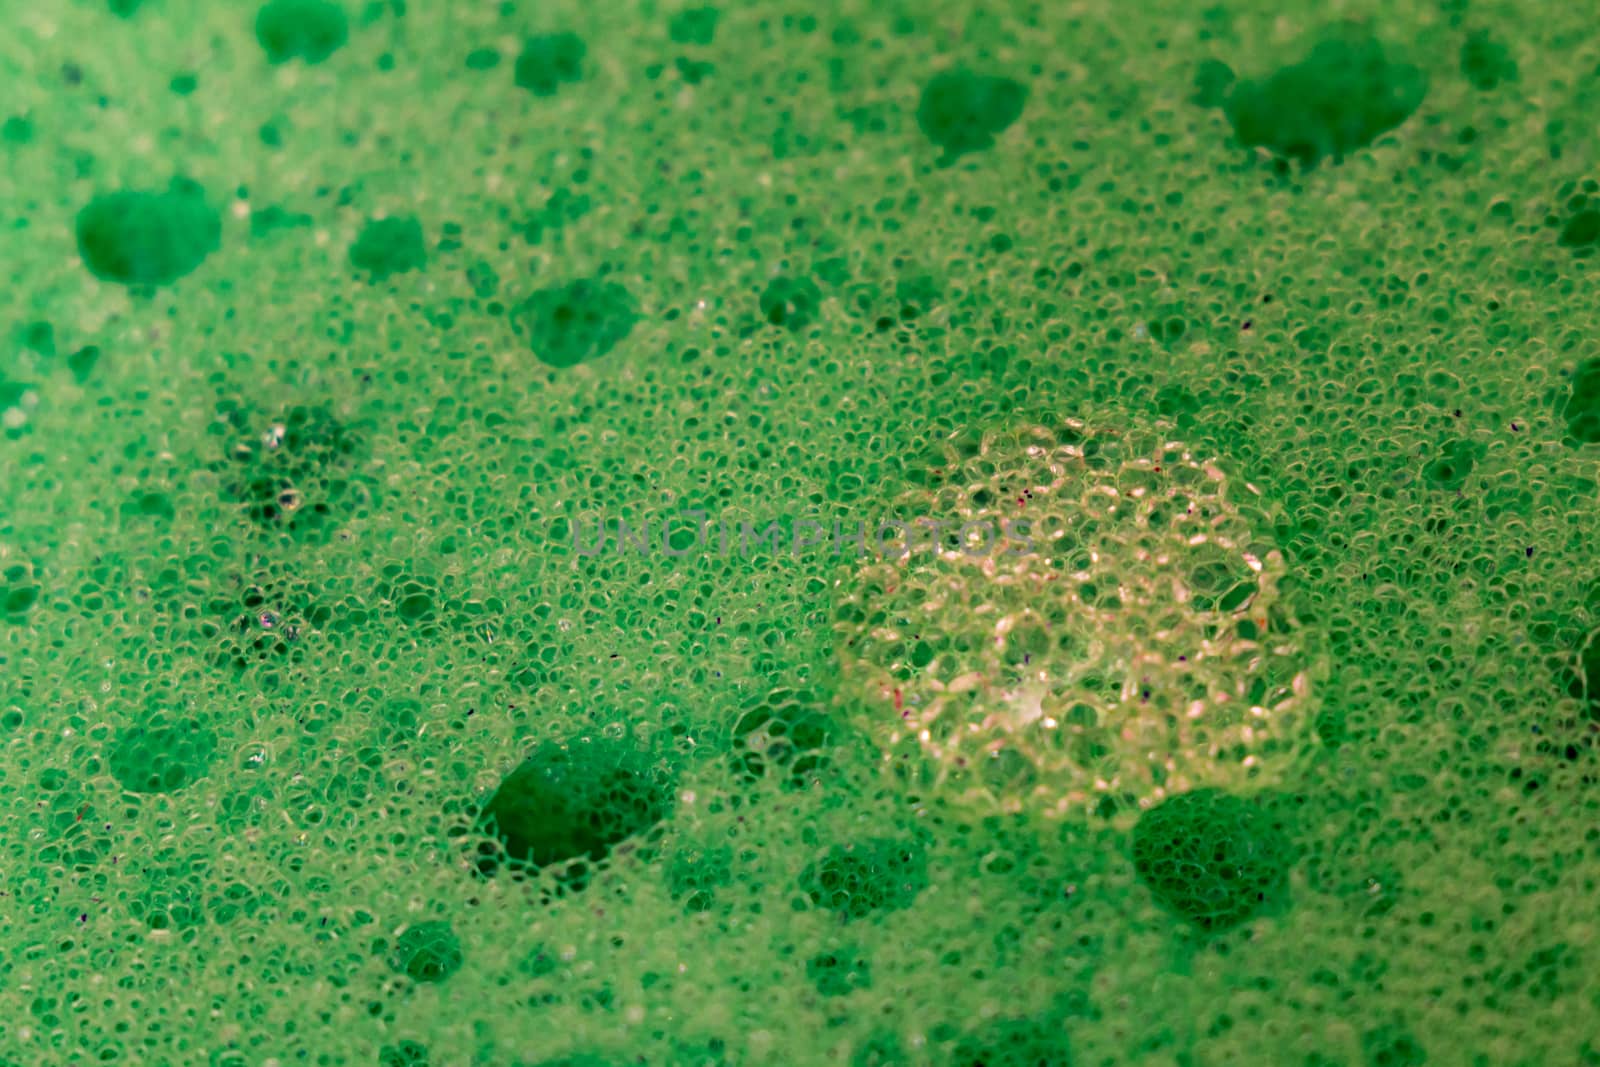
<point>311,30</point>
<point>1582,410</point>
<point>263,620</point>
<point>427,952</point>
<point>873,876</point>
<point>695,875</point>
<point>577,322</point>
<point>289,471</point>
<point>839,972</point>
<point>389,246</point>
<point>1392,1045</point>
<point>549,61</point>
<point>40,337</point>
<point>791,302</point>
<point>483,59</point>
<point>693,71</point>
<point>406,1054</point>
<point>1486,62</point>
<point>148,239</point>
<point>571,805</point>
<point>1582,230</point>
<point>882,1049</point>
<point>562,208</point>
<point>695,25</point>
<point>272,218</point>
<point>1212,858</point>
<point>184,84</point>
<point>1013,1042</point>
<point>148,504</point>
<point>82,362</point>
<point>162,758</point>
<point>963,112</point>
<point>1340,98</point>
<point>17,130</point>
<point>19,590</point>
<point>1212,81</point>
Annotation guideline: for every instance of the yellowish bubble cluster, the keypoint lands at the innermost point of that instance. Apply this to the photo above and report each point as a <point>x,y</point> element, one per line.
<point>1095,623</point>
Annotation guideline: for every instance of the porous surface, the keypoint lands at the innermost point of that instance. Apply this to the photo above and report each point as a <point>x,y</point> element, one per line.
<point>338,328</point>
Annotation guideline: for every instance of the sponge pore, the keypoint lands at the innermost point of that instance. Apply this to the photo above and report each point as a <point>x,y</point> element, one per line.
<point>1014,1042</point>
<point>163,757</point>
<point>875,875</point>
<point>1340,98</point>
<point>140,238</point>
<point>550,61</point>
<point>568,806</point>
<point>1214,859</point>
<point>308,30</point>
<point>428,952</point>
<point>578,321</point>
<point>963,112</point>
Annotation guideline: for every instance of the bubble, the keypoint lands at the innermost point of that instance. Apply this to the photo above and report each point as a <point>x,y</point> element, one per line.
<point>262,622</point>
<point>1453,464</point>
<point>71,831</point>
<point>234,901</point>
<point>148,239</point>
<point>1583,677</point>
<point>169,899</point>
<point>788,732</point>
<point>1212,858</point>
<point>696,874</point>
